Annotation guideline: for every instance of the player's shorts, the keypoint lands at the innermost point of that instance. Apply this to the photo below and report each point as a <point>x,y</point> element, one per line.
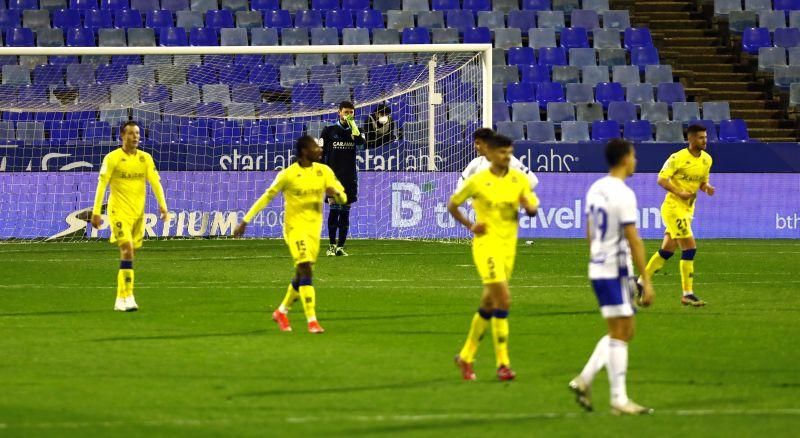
<point>495,262</point>
<point>614,296</point>
<point>304,247</point>
<point>677,220</point>
<point>127,230</point>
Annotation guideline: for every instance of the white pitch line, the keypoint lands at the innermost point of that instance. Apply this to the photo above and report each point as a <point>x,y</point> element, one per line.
<point>396,418</point>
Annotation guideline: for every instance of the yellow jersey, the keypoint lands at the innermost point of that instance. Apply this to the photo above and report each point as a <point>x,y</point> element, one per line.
<point>303,192</point>
<point>686,172</point>
<point>126,173</point>
<point>496,202</point>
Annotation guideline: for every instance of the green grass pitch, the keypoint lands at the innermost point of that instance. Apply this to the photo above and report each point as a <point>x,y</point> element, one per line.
<point>202,356</point>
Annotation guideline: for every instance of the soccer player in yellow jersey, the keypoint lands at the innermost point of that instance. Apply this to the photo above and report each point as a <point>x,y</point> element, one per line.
<point>683,175</point>
<point>304,185</point>
<point>125,170</point>
<point>497,194</point>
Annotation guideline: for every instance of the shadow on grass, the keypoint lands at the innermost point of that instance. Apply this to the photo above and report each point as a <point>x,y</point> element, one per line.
<point>185,336</point>
<point>347,389</point>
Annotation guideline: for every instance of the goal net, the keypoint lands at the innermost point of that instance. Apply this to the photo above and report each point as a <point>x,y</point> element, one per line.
<point>221,121</point>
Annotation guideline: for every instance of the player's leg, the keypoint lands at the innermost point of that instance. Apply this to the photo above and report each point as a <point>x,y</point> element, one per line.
<point>281,314</point>
<point>688,250</point>
<point>333,227</point>
<point>344,228</point>
<point>502,303</point>
<point>480,322</point>
<point>125,277</point>
<point>308,296</point>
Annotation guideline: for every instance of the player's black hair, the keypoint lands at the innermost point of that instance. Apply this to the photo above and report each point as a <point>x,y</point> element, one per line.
<point>497,141</point>
<point>383,109</point>
<point>616,150</point>
<point>482,134</point>
<point>695,129</point>
<point>346,104</point>
<point>125,126</point>
<point>302,143</point>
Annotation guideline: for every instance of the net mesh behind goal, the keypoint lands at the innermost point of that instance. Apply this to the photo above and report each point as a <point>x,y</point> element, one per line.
<point>220,126</point>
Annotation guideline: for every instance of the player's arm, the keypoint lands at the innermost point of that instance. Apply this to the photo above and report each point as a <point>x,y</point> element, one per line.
<point>665,176</point>
<point>627,215</point>
<point>533,180</point>
<point>467,172</point>
<point>334,188</point>
<point>261,203</point>
<point>158,190</point>
<point>106,170</point>
<point>458,198</point>
<point>706,187</point>
<point>325,140</point>
<point>529,201</point>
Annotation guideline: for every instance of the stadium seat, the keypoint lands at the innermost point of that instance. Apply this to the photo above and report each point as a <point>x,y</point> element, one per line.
<point>786,37</point>
<point>431,19</point>
<point>477,5</point>
<point>218,19</point>
<point>626,74</point>
<point>616,19</point>
<point>80,74</point>
<point>754,38</point>
<point>110,74</point>
<point>522,20</point>
<point>460,19</point>
<point>771,20</point>
<point>604,130</point>
<point>547,92</point>
<point>81,5</point>
<point>351,75</point>
<point>80,37</point>
<point>538,38</point>
<point>609,92</point>
<point>445,5</point>
<point>369,19</point>
<point>657,74</point>
<point>594,74</point>
<point>574,132</point>
<point>235,5</point>
<point>685,112</point>
<point>574,37</point>
<point>294,37</point>
<point>771,57</point>
<point>264,5</point>
<point>98,19</point>
<point>639,93</point>
<point>786,5</point>
<point>19,37</point>
<point>172,37</point>
<point>159,18</point>
<point>141,38</point>
<point>399,20</point>
<point>541,132</point>
<point>50,37</point>
<point>249,19</point>
<point>794,19</point>
<point>552,19</point>
<point>716,111</point>
<point>308,19</point>
<point>521,56</point>
<point>233,37</point>
<point>97,131</point>
<point>580,93</point>
<point>536,5</point>
<point>644,56</point>
<point>203,6</point>
<point>723,7</point>
<point>141,74</point>
<point>356,5</point>
<point>356,37</point>
<point>36,19</point>
<point>589,112</point>
<point>565,74</point>
<point>525,112</point>
<point>621,111</point>
<point>338,19</point>
<point>231,75</point>
<point>30,132</point>
<point>637,37</point>
<point>534,73</point>
<point>734,130</point>
<point>292,75</point>
<point>324,36</point>
<point>173,5</point>
<point>206,36</point>
<point>586,19</point>
<point>154,93</point>
<point>492,19</point>
<point>669,132</point>
<point>416,35</point>
<point>183,93</point>
<point>582,57</point>
<point>264,75</point>
<point>655,111</point>
<point>558,112</point>
<point>671,92</point>
<point>48,74</point>
<point>785,76</point>
<point>263,37</point>
<point>216,93</point>
<point>324,5</point>
<point>477,35</point>
<point>552,56</point>
<point>638,130</point>
<point>611,57</point>
<point>125,18</point>
<point>606,39</point>
<point>513,130</point>
<point>171,74</point>
<point>278,19</point>
<point>710,128</point>
<point>520,92</point>
<point>9,18</point>
<point>415,5</point>
<point>66,18</point>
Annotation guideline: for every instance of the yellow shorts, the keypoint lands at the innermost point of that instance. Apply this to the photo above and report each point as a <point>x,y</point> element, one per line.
<point>125,230</point>
<point>677,221</point>
<point>495,262</point>
<point>304,247</point>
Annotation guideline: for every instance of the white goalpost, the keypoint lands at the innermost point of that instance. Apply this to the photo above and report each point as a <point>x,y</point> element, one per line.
<point>221,121</point>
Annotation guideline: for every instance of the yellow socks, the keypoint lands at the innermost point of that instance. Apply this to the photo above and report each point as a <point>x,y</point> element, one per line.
<point>687,270</point>
<point>308,297</point>
<point>500,337</point>
<point>657,261</point>
<point>292,294</point>
<point>125,279</point>
<point>476,330</point>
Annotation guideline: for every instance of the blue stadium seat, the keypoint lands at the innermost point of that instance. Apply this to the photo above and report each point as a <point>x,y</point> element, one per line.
<point>637,37</point>
<point>264,74</point>
<point>232,75</point>
<point>172,37</point>
<point>159,18</point>
<point>710,129</point>
<point>264,5</point>
<point>574,132</point>
<point>604,130</point>
<point>218,19</point>
<point>154,93</point>
<point>338,19</point>
<point>9,18</point>
<point>369,19</point>
<point>520,92</point>
<point>115,4</point>
<point>83,5</point>
<point>734,130</point>
<point>640,93</point>
<point>355,5</point>
<point>445,5</point>
<point>580,93</point>
<point>536,5</point>
<point>416,35</point>
<point>204,74</point>
<point>522,20</point>
<point>754,38</point>
<point>547,92</point>
<point>19,37</point>
<point>574,37</point>
<point>278,19</point>
<point>638,130</point>
<point>541,132</point>
<point>460,19</point>
<point>308,19</point>
<point>671,92</point>
<point>787,37</point>
<point>786,5</point>
<point>324,5</point>
<point>621,111</point>
<point>97,19</point>
<point>109,74</point>
<point>203,37</point>
<point>48,75</point>
<point>686,112</point>
<point>125,18</point>
<point>500,112</point>
<point>586,19</point>
<point>534,73</point>
<point>477,5</point>
<point>644,56</point>
<point>552,56</point>
<point>23,4</point>
<point>66,18</point>
<point>521,56</point>
<point>210,109</point>
<point>477,35</point>
<point>226,132</point>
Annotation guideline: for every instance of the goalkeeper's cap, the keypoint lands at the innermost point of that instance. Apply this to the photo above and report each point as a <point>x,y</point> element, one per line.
<point>383,109</point>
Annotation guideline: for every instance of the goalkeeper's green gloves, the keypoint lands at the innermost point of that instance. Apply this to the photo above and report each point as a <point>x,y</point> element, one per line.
<point>352,122</point>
